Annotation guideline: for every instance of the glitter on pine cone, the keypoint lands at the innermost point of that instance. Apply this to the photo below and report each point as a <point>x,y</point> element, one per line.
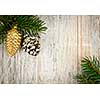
<point>13,41</point>
<point>31,45</point>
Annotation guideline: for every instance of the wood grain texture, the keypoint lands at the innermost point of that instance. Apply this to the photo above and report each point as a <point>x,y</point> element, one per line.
<point>68,39</point>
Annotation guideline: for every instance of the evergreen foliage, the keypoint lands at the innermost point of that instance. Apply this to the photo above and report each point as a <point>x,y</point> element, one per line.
<point>26,24</point>
<point>90,73</point>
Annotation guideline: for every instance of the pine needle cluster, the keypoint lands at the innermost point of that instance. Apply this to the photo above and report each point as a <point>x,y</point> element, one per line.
<point>26,24</point>
<point>90,73</point>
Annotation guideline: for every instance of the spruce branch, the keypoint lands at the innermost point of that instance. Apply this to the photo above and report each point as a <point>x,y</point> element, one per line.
<point>90,73</point>
<point>25,24</point>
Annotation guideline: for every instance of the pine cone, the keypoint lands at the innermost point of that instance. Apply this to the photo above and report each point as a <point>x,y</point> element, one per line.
<point>31,45</point>
<point>13,41</point>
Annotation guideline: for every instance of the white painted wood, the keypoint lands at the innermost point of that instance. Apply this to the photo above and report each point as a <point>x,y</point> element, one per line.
<point>68,39</point>
<point>95,35</point>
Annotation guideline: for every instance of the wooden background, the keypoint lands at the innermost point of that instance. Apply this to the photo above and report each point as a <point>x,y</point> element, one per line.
<point>68,39</point>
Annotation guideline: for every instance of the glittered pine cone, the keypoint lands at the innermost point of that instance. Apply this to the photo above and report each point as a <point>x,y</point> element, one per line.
<point>13,41</point>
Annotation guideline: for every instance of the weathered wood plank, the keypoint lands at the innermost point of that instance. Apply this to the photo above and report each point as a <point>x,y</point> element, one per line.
<point>86,36</point>
<point>58,60</point>
<point>95,35</point>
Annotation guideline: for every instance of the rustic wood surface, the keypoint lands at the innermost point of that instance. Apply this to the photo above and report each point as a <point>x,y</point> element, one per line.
<point>68,39</point>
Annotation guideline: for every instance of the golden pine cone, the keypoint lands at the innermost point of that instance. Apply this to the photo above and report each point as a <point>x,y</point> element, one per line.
<point>13,41</point>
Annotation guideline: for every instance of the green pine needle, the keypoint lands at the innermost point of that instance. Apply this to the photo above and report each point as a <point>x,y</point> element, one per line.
<point>25,24</point>
<point>90,73</point>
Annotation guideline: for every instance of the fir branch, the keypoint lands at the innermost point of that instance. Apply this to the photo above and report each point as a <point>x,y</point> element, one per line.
<point>25,24</point>
<point>90,73</point>
<point>32,23</point>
